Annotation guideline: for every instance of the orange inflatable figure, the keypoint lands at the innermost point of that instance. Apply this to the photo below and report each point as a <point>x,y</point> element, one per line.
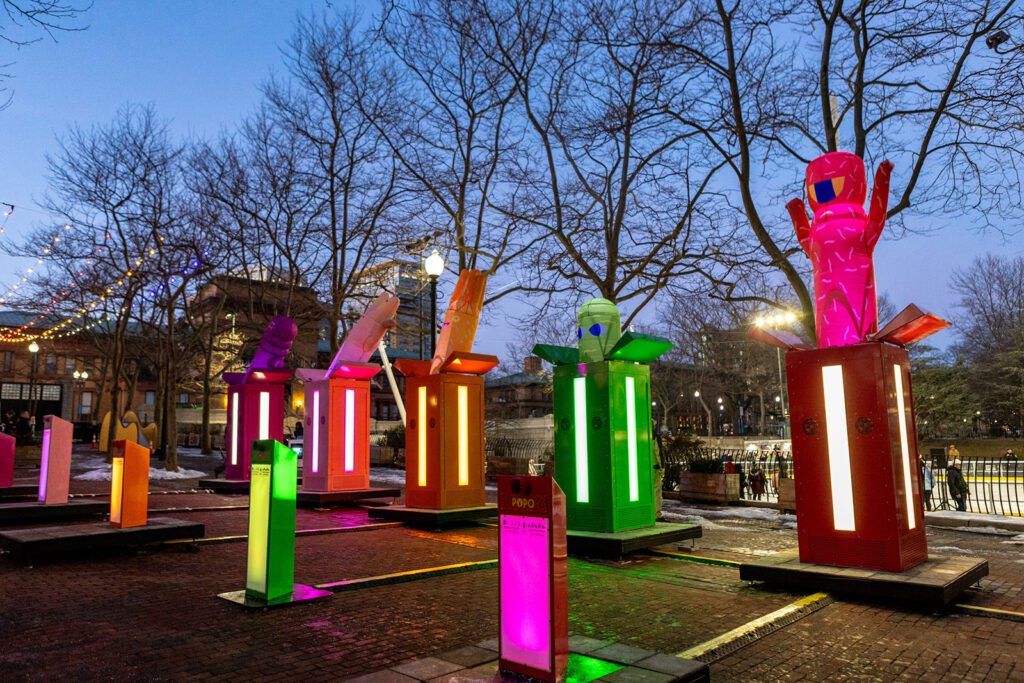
<point>444,436</point>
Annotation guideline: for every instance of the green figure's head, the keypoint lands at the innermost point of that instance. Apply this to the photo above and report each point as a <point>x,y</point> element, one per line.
<point>600,328</point>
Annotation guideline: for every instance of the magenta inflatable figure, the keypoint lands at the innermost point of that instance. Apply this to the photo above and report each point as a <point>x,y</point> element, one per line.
<point>840,241</point>
<point>274,346</point>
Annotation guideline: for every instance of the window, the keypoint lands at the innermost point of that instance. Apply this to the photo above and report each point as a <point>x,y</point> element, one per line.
<point>8,361</point>
<point>10,391</point>
<point>86,406</point>
<point>50,392</point>
<point>69,365</point>
<point>150,398</point>
<point>50,367</point>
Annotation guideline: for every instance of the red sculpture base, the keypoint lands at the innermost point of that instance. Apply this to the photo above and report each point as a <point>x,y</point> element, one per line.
<point>855,457</point>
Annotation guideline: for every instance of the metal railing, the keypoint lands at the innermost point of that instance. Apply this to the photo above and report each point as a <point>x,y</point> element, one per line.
<point>995,486</point>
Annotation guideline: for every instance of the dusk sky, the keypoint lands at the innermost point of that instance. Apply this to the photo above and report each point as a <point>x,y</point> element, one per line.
<point>200,64</point>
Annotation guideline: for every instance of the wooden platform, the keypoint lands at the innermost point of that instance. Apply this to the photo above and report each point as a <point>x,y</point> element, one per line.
<point>615,545</point>
<point>933,584</point>
<point>225,485</point>
<point>67,542</point>
<point>325,498</point>
<point>300,593</point>
<point>434,519</point>
<point>32,511</point>
<point>19,491</point>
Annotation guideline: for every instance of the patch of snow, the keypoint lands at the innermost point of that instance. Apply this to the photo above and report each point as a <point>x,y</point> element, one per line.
<point>678,518</point>
<point>987,530</point>
<point>948,549</point>
<point>103,474</point>
<point>396,477</point>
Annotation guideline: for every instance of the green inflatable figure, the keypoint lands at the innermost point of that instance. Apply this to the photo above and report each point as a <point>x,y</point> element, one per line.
<point>602,402</point>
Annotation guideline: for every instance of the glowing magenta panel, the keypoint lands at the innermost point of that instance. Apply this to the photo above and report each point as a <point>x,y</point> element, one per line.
<point>526,591</point>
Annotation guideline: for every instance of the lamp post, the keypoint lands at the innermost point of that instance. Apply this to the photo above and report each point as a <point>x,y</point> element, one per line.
<point>80,378</point>
<point>33,348</point>
<point>784,318</point>
<point>433,266</point>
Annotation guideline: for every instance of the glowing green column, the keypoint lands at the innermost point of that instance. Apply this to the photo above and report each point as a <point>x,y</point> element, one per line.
<point>271,568</point>
<point>603,430</point>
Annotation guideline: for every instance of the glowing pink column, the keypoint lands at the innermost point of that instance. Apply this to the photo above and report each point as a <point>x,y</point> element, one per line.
<point>55,461</point>
<point>7,443</point>
<point>534,600</point>
<point>255,412</point>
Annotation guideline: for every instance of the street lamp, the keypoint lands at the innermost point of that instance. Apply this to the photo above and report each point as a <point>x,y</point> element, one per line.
<point>80,377</point>
<point>433,266</point>
<point>33,348</point>
<point>771,320</point>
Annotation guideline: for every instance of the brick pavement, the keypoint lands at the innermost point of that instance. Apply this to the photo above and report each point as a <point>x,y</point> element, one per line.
<point>155,615</point>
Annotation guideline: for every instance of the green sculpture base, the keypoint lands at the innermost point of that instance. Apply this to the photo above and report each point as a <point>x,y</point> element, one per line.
<point>603,456</point>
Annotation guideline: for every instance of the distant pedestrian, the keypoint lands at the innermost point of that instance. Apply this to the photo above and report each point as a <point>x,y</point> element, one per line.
<point>1009,455</point>
<point>657,479</point>
<point>757,482</point>
<point>952,453</point>
<point>743,481</point>
<point>927,484</point>
<point>957,485</point>
<point>298,429</point>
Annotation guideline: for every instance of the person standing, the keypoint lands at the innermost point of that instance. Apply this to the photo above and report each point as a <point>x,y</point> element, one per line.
<point>927,484</point>
<point>957,485</point>
<point>757,482</point>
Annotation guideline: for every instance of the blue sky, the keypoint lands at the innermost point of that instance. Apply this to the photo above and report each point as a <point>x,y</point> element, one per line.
<point>200,64</point>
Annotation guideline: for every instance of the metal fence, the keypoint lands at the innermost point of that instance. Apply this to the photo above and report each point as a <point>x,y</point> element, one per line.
<point>995,486</point>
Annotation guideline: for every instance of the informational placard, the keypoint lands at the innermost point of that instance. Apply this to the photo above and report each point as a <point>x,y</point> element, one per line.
<point>525,561</point>
<point>534,612</point>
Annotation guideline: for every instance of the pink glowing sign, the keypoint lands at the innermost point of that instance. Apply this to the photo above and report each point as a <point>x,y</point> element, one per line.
<point>534,612</point>
<point>840,242</point>
<point>526,591</point>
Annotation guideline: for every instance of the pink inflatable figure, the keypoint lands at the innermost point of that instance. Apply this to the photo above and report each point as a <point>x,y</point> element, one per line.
<point>840,242</point>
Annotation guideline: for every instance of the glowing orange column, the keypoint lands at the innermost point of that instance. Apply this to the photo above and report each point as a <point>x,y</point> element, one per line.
<point>129,485</point>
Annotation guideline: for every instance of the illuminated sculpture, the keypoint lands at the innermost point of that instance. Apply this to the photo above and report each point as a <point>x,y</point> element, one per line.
<point>840,242</point>
<point>855,451</point>
<point>602,415</point>
<point>336,448</point>
<point>55,460</point>
<point>534,599</point>
<point>128,428</point>
<point>7,447</point>
<point>256,397</point>
<point>129,485</point>
<point>270,568</point>
<point>444,439</point>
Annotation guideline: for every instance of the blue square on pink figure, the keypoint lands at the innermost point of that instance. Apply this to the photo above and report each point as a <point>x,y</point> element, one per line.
<point>824,191</point>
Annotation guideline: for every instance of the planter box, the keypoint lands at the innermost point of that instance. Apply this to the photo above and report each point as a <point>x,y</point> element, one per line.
<point>709,488</point>
<point>387,457</point>
<point>787,495</point>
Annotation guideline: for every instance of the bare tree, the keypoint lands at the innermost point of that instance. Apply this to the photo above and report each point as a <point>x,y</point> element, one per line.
<point>113,187</point>
<point>27,21</point>
<point>352,176</point>
<point>901,80</point>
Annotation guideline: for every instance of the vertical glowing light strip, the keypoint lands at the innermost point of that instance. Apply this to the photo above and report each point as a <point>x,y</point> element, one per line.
<point>908,492</point>
<point>350,430</point>
<point>634,479</point>
<point>264,415</point>
<point>234,428</point>
<point>421,436</point>
<point>259,533</point>
<point>463,435</point>
<point>316,430</point>
<point>579,390</point>
<point>838,448</point>
<point>44,466</point>
<point>116,488</point>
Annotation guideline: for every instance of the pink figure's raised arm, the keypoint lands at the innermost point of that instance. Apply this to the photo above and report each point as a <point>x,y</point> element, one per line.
<point>879,204</point>
<point>798,214</point>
